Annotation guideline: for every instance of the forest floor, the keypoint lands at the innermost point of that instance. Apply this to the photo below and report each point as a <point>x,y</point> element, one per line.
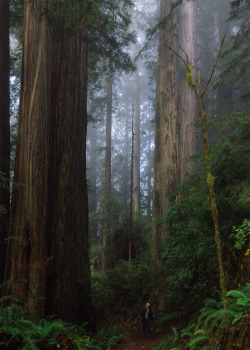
<point>138,342</point>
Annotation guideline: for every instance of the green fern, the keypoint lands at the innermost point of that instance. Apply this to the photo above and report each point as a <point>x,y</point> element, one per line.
<point>198,340</point>
<point>214,319</point>
<point>31,344</point>
<point>176,336</point>
<point>17,328</point>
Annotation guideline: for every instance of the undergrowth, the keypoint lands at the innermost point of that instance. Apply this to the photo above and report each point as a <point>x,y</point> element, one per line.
<point>216,328</point>
<point>18,331</point>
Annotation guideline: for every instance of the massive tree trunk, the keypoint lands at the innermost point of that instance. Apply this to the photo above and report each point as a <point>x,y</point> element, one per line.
<point>107,185</point>
<point>137,153</point>
<point>48,264</point>
<point>4,131</point>
<point>166,157</point>
<point>187,104</point>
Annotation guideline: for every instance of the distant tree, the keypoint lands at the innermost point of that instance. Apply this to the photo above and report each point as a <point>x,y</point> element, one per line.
<point>4,131</point>
<point>92,178</point>
<point>126,153</point>
<point>236,55</point>
<point>137,146</point>
<point>107,185</point>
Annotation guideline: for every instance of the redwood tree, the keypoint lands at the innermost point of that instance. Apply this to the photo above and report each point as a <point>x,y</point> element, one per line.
<point>166,157</point>
<point>107,185</point>
<point>187,103</point>
<point>4,131</point>
<point>47,262</point>
<point>137,146</point>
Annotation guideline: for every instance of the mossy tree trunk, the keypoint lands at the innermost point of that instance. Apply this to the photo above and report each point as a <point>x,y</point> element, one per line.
<point>4,132</point>
<point>48,261</point>
<point>200,101</point>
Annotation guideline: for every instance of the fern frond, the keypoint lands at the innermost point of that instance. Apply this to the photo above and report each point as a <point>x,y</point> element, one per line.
<point>186,334</point>
<point>209,302</point>
<point>31,344</point>
<point>217,315</point>
<point>176,336</point>
<point>194,342</point>
<point>204,313</point>
<point>200,331</point>
<point>238,318</point>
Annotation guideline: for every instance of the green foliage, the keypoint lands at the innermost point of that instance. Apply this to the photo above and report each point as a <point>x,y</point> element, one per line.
<point>189,266</point>
<point>106,23</point>
<point>217,327</point>
<point>241,234</point>
<point>119,236</point>
<point>169,343</point>
<point>106,339</point>
<point>18,331</point>
<point>122,289</point>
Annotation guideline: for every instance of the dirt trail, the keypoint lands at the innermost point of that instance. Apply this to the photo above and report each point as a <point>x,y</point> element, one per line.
<point>138,343</point>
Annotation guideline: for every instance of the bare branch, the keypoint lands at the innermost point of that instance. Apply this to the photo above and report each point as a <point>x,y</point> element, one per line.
<point>184,53</point>
<point>195,135</point>
<point>216,62</point>
<point>169,47</point>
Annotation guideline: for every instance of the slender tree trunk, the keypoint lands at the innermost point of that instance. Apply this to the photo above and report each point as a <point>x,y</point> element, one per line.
<point>4,131</point>
<point>137,146</point>
<point>200,101</point>
<point>107,189</point>
<point>213,204</point>
<point>92,134</point>
<point>125,162</point>
<point>48,262</point>
<point>131,197</point>
<point>166,157</point>
<point>187,104</point>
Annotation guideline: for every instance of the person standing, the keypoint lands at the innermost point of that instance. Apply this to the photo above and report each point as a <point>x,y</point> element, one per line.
<point>147,318</point>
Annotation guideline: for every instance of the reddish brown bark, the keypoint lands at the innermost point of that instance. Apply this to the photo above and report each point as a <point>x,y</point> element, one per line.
<point>48,263</point>
<point>4,131</point>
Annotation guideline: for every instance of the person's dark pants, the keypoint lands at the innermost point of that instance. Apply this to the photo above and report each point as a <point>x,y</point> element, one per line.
<point>146,326</point>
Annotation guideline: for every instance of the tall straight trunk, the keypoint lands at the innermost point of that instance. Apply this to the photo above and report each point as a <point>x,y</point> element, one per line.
<point>107,185</point>
<point>137,145</point>
<point>149,175</point>
<point>48,262</point>
<point>126,151</point>
<point>187,103</point>
<point>131,196</point>
<point>166,156</point>
<point>92,134</point>
<point>4,131</point>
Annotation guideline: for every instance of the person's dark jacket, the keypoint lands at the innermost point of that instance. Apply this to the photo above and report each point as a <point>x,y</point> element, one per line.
<point>150,314</point>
